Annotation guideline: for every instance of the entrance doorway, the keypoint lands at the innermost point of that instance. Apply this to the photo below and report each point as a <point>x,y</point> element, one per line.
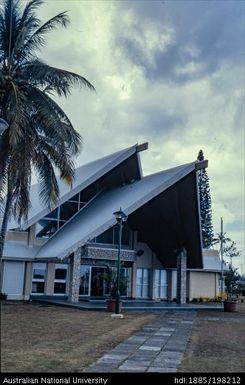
<point>94,284</point>
<point>99,286</point>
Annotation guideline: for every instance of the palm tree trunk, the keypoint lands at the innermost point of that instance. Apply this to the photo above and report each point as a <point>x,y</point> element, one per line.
<point>5,223</point>
<point>3,230</point>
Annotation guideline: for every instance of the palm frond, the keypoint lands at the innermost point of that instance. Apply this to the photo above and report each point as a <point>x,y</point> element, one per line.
<point>9,23</point>
<point>29,10</point>
<point>17,116</point>
<point>56,127</point>
<point>21,177</point>
<point>49,189</point>
<point>61,159</point>
<point>39,134</point>
<point>37,39</point>
<point>53,79</point>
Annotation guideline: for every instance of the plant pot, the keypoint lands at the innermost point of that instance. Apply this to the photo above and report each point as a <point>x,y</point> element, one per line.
<point>111,305</point>
<point>230,306</point>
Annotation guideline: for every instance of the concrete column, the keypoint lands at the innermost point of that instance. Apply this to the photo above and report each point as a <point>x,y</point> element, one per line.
<point>134,269</point>
<point>31,235</point>
<point>169,282</point>
<point>74,281</point>
<point>181,277</point>
<point>188,292</point>
<point>152,276</point>
<point>28,281</point>
<point>49,290</point>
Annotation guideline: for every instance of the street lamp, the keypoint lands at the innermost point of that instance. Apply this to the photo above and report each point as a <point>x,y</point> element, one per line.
<point>222,260</point>
<point>3,126</point>
<point>120,217</point>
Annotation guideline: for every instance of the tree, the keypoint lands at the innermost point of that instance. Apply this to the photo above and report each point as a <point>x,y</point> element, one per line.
<point>229,246</point>
<point>205,205</point>
<point>231,251</point>
<point>232,279</point>
<point>222,239</point>
<point>40,135</point>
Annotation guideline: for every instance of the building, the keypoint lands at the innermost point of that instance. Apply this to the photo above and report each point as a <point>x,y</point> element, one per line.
<point>67,249</point>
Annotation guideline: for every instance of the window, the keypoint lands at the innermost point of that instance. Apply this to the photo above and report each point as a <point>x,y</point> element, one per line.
<point>106,237</point>
<point>67,210</point>
<point>60,278</point>
<point>75,198</point>
<point>38,278</point>
<point>125,235</point>
<point>161,285</point>
<point>110,236</point>
<point>52,215</point>
<point>54,220</point>
<point>142,283</point>
<point>84,280</point>
<point>46,228</point>
<point>126,274</point>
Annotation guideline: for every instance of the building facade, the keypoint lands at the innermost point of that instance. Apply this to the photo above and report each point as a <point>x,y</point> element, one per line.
<point>68,249</point>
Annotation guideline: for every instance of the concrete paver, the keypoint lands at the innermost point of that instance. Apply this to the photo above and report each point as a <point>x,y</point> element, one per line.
<point>157,347</point>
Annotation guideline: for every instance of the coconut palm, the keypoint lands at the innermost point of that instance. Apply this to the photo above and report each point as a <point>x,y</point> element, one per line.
<point>39,134</point>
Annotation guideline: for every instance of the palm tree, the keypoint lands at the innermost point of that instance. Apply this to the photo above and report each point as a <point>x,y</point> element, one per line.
<point>231,252</point>
<point>221,239</point>
<point>39,134</point>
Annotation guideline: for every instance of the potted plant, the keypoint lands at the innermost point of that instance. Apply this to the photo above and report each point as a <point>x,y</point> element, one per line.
<point>111,278</point>
<point>231,282</point>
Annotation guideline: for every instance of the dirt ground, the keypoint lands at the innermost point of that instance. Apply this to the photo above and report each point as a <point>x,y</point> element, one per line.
<point>217,343</point>
<point>41,338</point>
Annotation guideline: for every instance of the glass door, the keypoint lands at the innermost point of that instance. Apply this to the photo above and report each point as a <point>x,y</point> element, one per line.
<point>99,286</point>
<point>84,280</point>
<point>142,283</point>
<point>161,285</point>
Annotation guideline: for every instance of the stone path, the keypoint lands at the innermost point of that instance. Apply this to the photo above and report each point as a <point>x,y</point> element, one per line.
<point>157,347</point>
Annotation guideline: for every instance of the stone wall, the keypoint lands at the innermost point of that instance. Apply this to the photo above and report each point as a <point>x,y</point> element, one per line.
<point>93,252</point>
<point>74,282</point>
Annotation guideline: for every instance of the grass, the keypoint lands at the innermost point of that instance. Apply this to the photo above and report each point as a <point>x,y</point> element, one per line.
<point>41,338</point>
<point>217,343</point>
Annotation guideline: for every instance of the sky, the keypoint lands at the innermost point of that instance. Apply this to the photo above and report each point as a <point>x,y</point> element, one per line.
<point>170,73</point>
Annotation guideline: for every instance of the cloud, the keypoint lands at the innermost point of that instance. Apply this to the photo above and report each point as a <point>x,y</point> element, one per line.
<point>167,72</point>
<point>198,37</point>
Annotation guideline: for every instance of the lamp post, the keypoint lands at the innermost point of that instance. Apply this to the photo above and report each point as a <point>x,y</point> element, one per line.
<point>3,126</point>
<point>120,217</point>
<point>222,259</point>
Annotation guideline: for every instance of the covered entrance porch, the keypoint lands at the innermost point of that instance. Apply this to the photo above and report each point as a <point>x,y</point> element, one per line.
<point>94,281</point>
<point>92,304</point>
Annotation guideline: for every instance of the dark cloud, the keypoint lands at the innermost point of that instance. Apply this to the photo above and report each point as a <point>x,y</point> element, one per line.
<point>214,28</point>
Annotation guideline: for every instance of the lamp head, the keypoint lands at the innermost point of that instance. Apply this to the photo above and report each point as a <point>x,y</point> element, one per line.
<point>120,216</point>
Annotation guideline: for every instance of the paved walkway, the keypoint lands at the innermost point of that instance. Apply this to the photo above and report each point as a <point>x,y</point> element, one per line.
<point>157,347</point>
